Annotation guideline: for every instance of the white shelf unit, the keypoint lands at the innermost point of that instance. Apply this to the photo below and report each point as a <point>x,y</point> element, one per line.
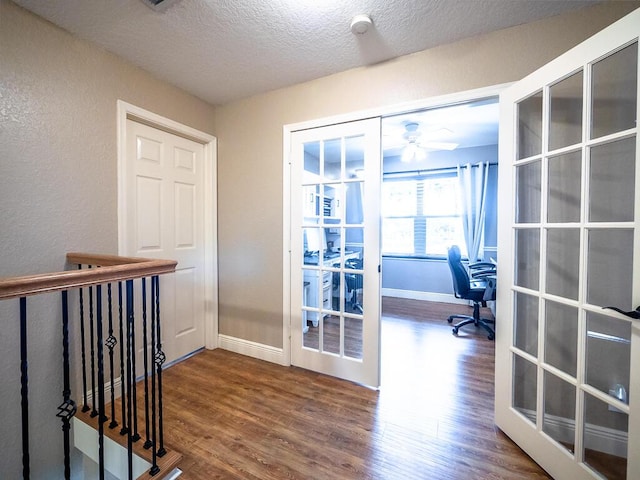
<point>312,292</point>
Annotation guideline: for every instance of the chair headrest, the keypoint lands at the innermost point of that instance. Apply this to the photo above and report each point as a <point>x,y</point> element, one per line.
<point>453,253</point>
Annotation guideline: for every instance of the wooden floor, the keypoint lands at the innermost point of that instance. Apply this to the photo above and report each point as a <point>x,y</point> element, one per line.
<point>234,417</point>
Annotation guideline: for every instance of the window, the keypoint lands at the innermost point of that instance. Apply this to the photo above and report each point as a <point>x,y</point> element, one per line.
<point>421,216</point>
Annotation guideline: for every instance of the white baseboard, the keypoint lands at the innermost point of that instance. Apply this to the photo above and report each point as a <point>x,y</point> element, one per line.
<point>252,349</point>
<point>596,437</point>
<point>608,440</point>
<point>428,296</point>
<point>107,392</point>
<point>117,382</point>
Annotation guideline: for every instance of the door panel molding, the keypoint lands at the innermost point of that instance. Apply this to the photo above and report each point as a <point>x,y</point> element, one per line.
<point>127,111</point>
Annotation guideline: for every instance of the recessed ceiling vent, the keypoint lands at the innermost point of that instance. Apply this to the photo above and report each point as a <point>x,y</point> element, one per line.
<point>159,5</point>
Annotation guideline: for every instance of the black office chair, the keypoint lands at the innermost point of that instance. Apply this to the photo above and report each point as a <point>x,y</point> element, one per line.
<point>354,283</point>
<point>475,288</point>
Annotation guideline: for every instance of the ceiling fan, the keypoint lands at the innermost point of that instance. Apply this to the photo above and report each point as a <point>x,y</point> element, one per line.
<point>418,142</point>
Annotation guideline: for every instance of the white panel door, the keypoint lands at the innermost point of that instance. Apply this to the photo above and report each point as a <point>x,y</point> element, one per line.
<point>335,250</point>
<point>165,219</point>
<point>568,369</point>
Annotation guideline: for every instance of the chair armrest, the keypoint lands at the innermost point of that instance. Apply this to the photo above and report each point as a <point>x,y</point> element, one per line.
<point>480,270</point>
<point>483,274</point>
<point>482,265</point>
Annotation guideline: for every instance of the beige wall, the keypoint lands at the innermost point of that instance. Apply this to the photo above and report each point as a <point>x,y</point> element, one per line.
<point>58,193</point>
<point>250,145</point>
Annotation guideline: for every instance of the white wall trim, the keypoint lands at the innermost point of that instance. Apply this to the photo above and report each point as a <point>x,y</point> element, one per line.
<point>127,111</point>
<point>252,349</point>
<point>428,296</point>
<point>117,388</point>
<point>397,109</point>
<point>596,437</point>
<point>287,131</point>
<point>286,246</point>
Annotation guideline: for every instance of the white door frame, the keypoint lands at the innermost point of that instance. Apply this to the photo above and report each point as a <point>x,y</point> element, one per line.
<point>126,112</point>
<point>287,130</point>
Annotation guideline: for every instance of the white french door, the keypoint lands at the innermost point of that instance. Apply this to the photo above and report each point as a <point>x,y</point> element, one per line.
<point>335,250</point>
<point>567,369</point>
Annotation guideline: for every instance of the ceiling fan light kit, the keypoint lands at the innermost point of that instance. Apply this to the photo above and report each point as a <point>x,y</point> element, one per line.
<point>413,153</point>
<point>417,145</point>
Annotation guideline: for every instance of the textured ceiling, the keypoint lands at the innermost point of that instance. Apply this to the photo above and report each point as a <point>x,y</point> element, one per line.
<point>224,50</point>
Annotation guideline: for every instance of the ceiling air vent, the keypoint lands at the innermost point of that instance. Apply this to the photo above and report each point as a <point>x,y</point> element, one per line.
<point>159,5</point>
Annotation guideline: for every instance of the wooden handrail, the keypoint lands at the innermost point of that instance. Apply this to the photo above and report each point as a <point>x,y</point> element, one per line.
<point>112,268</point>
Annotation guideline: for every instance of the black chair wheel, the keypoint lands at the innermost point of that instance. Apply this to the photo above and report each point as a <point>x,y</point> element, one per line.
<point>491,336</point>
<point>455,330</point>
<point>449,320</point>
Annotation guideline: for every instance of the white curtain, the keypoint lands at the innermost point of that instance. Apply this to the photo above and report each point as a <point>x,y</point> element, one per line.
<point>354,214</point>
<point>473,192</point>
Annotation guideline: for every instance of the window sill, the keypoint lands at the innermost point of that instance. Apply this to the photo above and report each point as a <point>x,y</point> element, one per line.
<point>418,257</point>
<point>414,257</point>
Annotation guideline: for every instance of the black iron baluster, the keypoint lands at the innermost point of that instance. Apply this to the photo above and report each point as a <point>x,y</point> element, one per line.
<point>148,443</point>
<point>67,408</point>
<point>159,360</point>
<point>94,412</point>
<point>24,390</point>
<point>134,395</point>
<point>85,405</point>
<point>130,380</point>
<point>154,454</point>
<point>111,343</point>
<point>100,358</point>
<point>123,397</point>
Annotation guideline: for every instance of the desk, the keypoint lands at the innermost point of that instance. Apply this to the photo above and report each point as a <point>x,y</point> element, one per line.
<point>488,276</point>
<point>311,279</point>
<point>305,296</point>
<point>330,259</point>
<point>490,291</point>
<point>310,285</point>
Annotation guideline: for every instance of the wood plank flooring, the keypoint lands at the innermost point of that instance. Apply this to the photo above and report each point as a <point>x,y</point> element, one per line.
<point>234,417</point>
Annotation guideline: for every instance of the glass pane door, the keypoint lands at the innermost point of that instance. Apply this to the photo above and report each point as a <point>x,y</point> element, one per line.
<point>335,250</point>
<point>567,373</point>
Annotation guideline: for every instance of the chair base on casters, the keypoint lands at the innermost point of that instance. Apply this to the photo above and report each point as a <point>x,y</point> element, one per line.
<point>475,319</point>
<point>355,305</point>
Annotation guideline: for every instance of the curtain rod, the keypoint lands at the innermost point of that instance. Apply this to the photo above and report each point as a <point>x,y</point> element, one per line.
<point>428,171</point>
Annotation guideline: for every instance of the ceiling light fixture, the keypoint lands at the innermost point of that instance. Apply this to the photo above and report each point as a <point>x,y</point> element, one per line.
<point>413,153</point>
<point>360,24</point>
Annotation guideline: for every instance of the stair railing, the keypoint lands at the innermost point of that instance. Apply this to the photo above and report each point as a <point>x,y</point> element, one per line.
<point>116,319</point>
